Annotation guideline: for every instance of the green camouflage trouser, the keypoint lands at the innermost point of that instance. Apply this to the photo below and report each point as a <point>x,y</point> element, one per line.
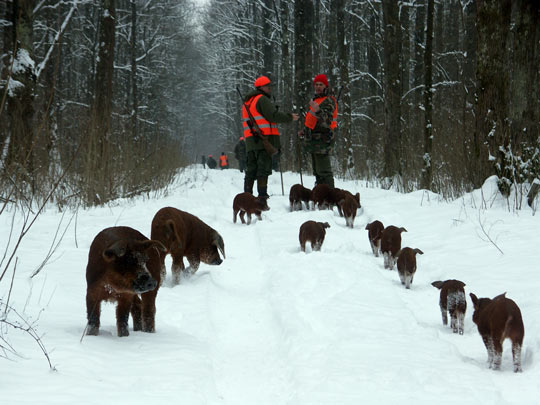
<point>322,169</point>
<point>259,164</point>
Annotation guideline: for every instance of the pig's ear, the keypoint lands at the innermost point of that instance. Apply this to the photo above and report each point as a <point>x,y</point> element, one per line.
<point>218,242</point>
<point>437,284</point>
<point>117,249</point>
<point>474,299</point>
<point>148,244</point>
<point>503,295</point>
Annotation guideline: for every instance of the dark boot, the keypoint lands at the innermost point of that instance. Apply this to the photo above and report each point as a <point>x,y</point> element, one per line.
<point>248,185</point>
<point>262,187</point>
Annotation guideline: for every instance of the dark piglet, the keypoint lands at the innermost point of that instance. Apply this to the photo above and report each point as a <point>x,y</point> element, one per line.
<point>298,195</point>
<point>313,232</point>
<point>375,229</point>
<point>406,264</point>
<point>185,235</point>
<point>246,203</point>
<point>498,319</point>
<point>452,300</point>
<point>390,245</point>
<point>123,264</point>
<point>323,197</point>
<point>337,195</point>
<point>348,207</point>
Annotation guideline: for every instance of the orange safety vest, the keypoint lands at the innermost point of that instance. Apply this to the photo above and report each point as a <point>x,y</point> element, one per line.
<point>224,161</point>
<point>267,127</point>
<point>311,118</point>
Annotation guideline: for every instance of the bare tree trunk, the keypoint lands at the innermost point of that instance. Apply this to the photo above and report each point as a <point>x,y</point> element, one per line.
<point>345,131</point>
<point>303,57</point>
<point>372,137</point>
<point>427,170</point>
<point>98,158</point>
<point>410,148</point>
<point>477,166</point>
<point>134,96</point>
<point>392,99</point>
<point>20,101</point>
<point>493,22</point>
<point>524,103</point>
<point>418,70</point>
<point>266,35</point>
<point>289,154</point>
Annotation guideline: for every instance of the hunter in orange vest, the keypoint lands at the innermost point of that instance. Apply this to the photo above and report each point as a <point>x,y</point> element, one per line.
<point>223,161</point>
<point>320,126</point>
<point>266,116</point>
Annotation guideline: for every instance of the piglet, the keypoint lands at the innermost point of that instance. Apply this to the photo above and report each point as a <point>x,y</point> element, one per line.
<point>452,300</point>
<point>298,195</point>
<point>406,264</point>
<point>497,319</point>
<point>247,203</point>
<point>349,206</point>
<point>313,232</point>
<point>374,235</point>
<point>390,245</point>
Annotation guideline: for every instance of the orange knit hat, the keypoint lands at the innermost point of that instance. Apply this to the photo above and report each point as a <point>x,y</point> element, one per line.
<point>262,81</point>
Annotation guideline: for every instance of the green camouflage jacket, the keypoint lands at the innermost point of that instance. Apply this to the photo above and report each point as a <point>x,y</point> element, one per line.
<point>321,138</point>
<point>269,111</point>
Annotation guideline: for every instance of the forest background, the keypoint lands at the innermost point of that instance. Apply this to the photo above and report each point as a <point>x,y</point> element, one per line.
<point>107,99</point>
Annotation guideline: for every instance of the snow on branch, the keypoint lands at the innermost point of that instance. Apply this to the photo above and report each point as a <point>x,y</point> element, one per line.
<point>43,63</point>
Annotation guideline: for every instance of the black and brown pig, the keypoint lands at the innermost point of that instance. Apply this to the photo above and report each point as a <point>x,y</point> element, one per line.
<point>498,319</point>
<point>348,206</point>
<point>298,195</point>
<point>123,264</point>
<point>390,245</point>
<point>247,203</point>
<point>375,229</point>
<point>452,300</point>
<point>313,232</point>
<point>406,264</point>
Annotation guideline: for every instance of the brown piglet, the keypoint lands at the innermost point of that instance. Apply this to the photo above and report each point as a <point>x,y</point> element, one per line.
<point>452,300</point>
<point>246,203</point>
<point>375,229</point>
<point>498,319</point>
<point>406,264</point>
<point>313,232</point>
<point>185,235</point>
<point>123,267</point>
<point>298,195</point>
<point>390,245</point>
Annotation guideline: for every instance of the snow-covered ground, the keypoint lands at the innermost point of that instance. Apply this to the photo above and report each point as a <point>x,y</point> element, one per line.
<point>274,325</point>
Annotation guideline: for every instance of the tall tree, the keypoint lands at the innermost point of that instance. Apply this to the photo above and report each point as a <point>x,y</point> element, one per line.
<point>373,89</point>
<point>343,80</point>
<point>427,169</point>
<point>392,97</point>
<point>133,77</point>
<point>303,56</point>
<point>101,110</point>
<point>492,124</point>
<point>267,35</point>
<point>19,72</point>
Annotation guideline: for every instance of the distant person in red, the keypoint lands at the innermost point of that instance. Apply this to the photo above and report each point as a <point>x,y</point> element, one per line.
<point>223,161</point>
<point>211,162</point>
